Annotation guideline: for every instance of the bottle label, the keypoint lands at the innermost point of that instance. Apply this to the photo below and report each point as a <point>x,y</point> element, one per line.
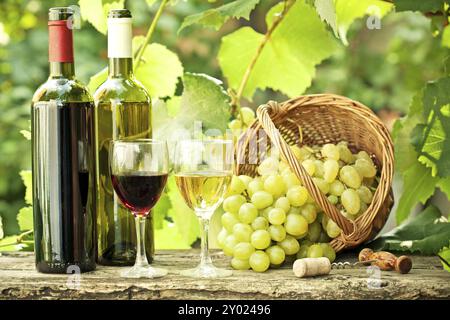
<point>60,41</point>
<point>119,38</point>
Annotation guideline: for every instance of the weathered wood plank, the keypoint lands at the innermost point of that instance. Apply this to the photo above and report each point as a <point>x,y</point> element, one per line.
<point>19,280</point>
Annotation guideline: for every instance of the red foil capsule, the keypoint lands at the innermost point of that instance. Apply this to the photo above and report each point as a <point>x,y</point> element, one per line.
<point>60,41</point>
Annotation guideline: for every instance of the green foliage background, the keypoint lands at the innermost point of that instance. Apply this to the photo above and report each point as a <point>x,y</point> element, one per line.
<point>320,46</point>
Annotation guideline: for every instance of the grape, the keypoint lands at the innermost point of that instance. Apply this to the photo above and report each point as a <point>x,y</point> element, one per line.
<point>268,166</point>
<point>297,195</point>
<point>315,251</point>
<point>364,155</point>
<point>290,245</point>
<point>283,203</point>
<point>323,237</point>
<point>365,194</point>
<point>237,186</point>
<point>265,212</point>
<point>363,208</point>
<point>229,244</point>
<point>233,203</point>
<point>283,167</point>
<point>330,170</point>
<point>350,177</point>
<point>276,255</point>
<point>324,221</point>
<point>290,180</point>
<point>302,252</point>
<point>235,124</point>
<point>260,223</point>
<point>350,200</point>
<point>245,179</point>
<point>242,232</point>
<point>248,213</point>
<point>319,169</point>
<point>328,251</point>
<point>221,236</point>
<point>254,186</point>
<point>345,154</point>
<point>259,261</point>
<point>274,184</point>
<point>333,229</point>
<point>336,188</point>
<point>294,210</point>
<point>247,114</point>
<point>277,233</point>
<point>330,151</point>
<point>296,225</point>
<point>333,199</point>
<point>322,185</point>
<point>277,216</point>
<point>309,166</point>
<point>260,239</point>
<point>228,221</point>
<point>243,250</point>
<point>314,230</point>
<point>365,168</point>
<point>309,212</point>
<point>240,264</point>
<point>298,152</point>
<point>262,199</point>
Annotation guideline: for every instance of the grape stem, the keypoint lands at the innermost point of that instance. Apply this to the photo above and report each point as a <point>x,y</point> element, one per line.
<point>19,239</point>
<point>149,34</point>
<point>235,102</point>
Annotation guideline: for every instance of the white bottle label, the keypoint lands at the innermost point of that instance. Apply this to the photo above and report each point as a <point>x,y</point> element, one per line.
<point>119,38</point>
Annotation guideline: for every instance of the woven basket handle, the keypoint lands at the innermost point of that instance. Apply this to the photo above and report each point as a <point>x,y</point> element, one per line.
<point>265,113</point>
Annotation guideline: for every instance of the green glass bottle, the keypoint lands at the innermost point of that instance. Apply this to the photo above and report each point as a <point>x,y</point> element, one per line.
<point>122,111</point>
<point>63,160</point>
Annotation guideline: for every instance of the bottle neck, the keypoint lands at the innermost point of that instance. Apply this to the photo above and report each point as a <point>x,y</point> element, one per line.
<point>120,67</point>
<point>62,70</point>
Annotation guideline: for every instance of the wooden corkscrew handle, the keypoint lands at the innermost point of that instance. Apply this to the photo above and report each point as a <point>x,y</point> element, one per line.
<point>386,260</point>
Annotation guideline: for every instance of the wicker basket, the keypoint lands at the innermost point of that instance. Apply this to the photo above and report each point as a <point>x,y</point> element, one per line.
<point>316,120</point>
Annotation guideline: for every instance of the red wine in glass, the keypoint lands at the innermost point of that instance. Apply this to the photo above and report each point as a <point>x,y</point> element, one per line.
<point>139,191</point>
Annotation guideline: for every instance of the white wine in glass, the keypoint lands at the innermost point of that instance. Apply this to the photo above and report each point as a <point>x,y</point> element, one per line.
<point>203,171</point>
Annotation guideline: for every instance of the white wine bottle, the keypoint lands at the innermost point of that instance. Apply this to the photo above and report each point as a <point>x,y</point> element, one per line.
<point>122,111</point>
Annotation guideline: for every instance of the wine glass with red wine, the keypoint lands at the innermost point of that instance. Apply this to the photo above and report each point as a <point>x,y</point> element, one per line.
<point>139,170</point>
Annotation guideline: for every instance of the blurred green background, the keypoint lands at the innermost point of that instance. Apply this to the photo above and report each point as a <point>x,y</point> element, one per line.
<point>382,68</point>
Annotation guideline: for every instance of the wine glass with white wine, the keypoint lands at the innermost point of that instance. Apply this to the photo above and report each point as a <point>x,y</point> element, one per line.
<point>203,170</point>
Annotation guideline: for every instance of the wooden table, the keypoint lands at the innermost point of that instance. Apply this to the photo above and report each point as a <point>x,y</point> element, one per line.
<point>19,280</point>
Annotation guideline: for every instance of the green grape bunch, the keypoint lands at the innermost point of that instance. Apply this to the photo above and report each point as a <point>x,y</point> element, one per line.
<point>272,219</point>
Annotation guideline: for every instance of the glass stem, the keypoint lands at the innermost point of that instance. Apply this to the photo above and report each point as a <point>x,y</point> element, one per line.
<point>205,258</point>
<point>141,257</point>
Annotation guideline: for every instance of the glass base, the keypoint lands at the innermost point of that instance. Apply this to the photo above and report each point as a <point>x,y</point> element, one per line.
<point>206,271</point>
<point>143,272</point>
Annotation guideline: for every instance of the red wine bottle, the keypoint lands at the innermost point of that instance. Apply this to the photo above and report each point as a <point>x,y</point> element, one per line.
<point>63,160</point>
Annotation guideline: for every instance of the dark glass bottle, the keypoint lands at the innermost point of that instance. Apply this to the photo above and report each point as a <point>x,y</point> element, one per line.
<point>63,160</point>
<point>123,111</point>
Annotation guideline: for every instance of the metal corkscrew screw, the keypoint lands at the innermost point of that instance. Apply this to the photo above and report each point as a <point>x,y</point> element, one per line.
<point>346,264</point>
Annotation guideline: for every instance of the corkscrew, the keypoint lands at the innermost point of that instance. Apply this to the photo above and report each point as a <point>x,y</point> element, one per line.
<point>346,264</point>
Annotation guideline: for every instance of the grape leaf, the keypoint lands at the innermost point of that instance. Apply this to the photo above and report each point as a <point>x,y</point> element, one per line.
<point>444,254</point>
<point>419,5</point>
<point>96,11</point>
<point>446,37</point>
<point>159,69</point>
<point>427,233</point>
<point>183,217</point>
<point>418,186</point>
<point>204,102</point>
<point>26,178</point>
<point>444,185</point>
<point>216,17</point>
<point>10,244</point>
<point>287,62</point>
<point>150,2</point>
<point>25,218</point>
<point>347,11</point>
<point>432,138</point>
<point>327,12</point>
<point>26,134</point>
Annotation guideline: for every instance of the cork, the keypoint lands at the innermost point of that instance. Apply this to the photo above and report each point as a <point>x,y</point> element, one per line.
<point>308,267</point>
